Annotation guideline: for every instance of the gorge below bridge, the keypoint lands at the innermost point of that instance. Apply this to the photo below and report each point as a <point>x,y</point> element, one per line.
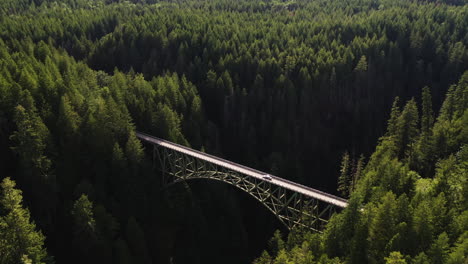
<point>292,203</point>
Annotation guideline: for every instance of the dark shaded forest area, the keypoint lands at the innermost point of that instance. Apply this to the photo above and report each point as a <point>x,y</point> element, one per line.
<point>288,87</point>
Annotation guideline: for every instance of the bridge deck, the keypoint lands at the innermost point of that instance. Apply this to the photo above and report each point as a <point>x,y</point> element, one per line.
<point>296,187</point>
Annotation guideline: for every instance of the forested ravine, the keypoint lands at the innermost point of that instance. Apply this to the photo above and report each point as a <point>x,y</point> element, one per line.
<point>366,99</point>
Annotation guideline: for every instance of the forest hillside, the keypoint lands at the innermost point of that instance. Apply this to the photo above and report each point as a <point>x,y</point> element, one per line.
<point>301,89</point>
<point>395,213</point>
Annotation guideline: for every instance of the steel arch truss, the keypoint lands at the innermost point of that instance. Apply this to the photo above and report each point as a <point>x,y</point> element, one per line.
<point>291,208</point>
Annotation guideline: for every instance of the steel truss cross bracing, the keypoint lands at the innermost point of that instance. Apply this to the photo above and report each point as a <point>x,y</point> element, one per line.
<point>291,208</point>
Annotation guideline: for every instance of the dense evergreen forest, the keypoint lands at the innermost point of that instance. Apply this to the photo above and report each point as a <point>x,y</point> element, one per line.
<point>395,215</point>
<point>367,99</point>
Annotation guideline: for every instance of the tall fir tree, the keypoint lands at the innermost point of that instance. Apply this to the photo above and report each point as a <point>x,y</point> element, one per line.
<point>393,120</point>
<point>427,117</point>
<point>345,174</point>
<point>407,128</point>
<point>84,230</point>
<point>19,239</point>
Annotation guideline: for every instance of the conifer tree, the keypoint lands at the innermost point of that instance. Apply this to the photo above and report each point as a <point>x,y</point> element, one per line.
<point>227,84</point>
<point>407,128</point>
<point>133,149</point>
<point>68,120</point>
<point>423,150</point>
<point>393,120</point>
<point>344,178</point>
<point>357,173</point>
<point>382,227</point>
<point>32,143</point>
<point>265,258</point>
<point>28,81</point>
<point>421,259</point>
<point>276,243</point>
<point>362,64</point>
<point>84,229</point>
<point>19,240</point>
<point>395,258</point>
<point>427,118</point>
<point>439,250</point>
<point>32,140</point>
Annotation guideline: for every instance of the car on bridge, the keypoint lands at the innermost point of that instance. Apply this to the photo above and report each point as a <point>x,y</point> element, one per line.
<point>267,177</point>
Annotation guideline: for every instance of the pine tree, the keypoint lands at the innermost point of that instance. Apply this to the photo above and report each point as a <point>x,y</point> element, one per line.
<point>133,149</point>
<point>265,258</point>
<point>422,226</point>
<point>28,81</point>
<point>421,259</point>
<point>19,240</point>
<point>282,257</point>
<point>459,253</point>
<point>427,118</point>
<point>423,150</point>
<point>68,121</point>
<point>276,243</point>
<point>84,229</point>
<point>439,250</point>
<point>383,226</point>
<point>395,258</point>
<point>362,64</point>
<point>357,173</point>
<point>227,83</point>
<point>344,178</point>
<point>31,142</point>
<point>449,105</point>
<point>393,120</point>
<point>407,128</point>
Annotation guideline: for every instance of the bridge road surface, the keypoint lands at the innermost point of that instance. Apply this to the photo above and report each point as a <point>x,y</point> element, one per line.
<point>296,187</point>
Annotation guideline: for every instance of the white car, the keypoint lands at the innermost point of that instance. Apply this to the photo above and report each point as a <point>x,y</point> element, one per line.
<point>267,177</point>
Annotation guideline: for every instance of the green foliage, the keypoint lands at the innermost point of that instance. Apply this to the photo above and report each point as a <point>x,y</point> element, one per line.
<point>32,140</point>
<point>68,120</point>
<point>20,242</point>
<point>276,243</point>
<point>350,173</point>
<point>72,131</point>
<point>272,84</point>
<point>421,259</point>
<point>459,253</point>
<point>134,149</point>
<point>405,218</point>
<point>362,65</point>
<point>395,258</point>
<point>407,128</point>
<point>83,218</point>
<point>312,66</point>
<point>265,258</point>
<point>344,178</point>
<point>439,249</point>
<point>427,119</point>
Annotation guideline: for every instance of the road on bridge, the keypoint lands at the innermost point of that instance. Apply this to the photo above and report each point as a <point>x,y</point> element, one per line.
<point>296,187</point>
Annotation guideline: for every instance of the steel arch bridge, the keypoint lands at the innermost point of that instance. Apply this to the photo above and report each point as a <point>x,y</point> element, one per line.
<point>292,203</point>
